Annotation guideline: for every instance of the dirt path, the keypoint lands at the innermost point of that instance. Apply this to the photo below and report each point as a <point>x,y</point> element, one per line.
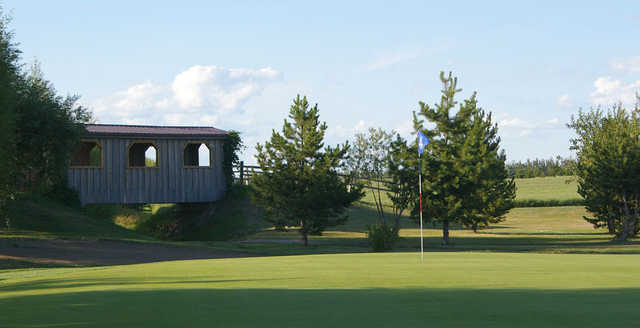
<point>100,252</point>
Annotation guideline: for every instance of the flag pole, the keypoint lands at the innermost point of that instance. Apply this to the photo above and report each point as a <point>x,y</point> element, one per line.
<point>420,187</point>
<point>423,141</point>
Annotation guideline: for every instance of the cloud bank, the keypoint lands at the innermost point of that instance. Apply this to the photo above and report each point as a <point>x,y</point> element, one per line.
<point>609,91</point>
<point>198,95</point>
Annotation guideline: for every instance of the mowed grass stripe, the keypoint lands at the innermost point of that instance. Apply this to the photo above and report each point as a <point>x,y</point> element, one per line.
<point>355,290</point>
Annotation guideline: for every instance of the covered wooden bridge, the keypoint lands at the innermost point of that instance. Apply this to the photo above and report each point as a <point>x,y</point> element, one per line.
<point>133,164</point>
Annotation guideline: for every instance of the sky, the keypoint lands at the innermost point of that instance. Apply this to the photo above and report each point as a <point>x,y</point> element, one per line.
<point>239,64</point>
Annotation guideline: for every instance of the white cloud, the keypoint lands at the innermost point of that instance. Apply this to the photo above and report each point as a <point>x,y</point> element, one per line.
<point>552,121</point>
<point>516,126</point>
<point>609,91</point>
<point>517,123</point>
<point>198,95</point>
<point>389,60</point>
<point>565,101</point>
<point>631,64</point>
<point>342,132</point>
<point>220,88</point>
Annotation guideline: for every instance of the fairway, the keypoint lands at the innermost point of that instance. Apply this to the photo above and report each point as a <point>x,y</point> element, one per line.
<point>343,290</point>
<point>547,188</point>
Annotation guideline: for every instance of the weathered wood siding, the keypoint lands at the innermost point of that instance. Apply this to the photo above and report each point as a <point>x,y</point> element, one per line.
<point>169,182</point>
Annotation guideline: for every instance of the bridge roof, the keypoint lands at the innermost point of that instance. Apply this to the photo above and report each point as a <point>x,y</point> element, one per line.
<point>153,131</point>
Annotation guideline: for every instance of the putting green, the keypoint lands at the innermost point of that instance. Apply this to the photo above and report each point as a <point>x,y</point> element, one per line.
<point>342,290</point>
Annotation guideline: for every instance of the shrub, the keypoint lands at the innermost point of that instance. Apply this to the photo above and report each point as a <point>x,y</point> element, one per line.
<point>382,236</point>
<point>547,203</point>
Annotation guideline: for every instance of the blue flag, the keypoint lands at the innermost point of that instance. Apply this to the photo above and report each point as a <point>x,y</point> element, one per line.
<point>423,141</point>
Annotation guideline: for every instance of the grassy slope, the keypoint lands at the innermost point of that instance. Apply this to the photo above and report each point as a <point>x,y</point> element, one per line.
<point>467,289</point>
<point>559,189</point>
<point>539,229</point>
<point>42,218</point>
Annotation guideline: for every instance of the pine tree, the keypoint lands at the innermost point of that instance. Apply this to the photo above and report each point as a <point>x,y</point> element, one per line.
<point>9,80</point>
<point>465,177</point>
<point>300,185</point>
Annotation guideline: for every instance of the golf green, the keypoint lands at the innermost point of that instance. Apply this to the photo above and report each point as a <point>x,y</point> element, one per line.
<point>452,289</point>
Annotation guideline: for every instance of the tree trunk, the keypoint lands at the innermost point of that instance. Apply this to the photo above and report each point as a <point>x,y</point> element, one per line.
<point>629,223</point>
<point>396,226</point>
<point>611,226</point>
<point>445,232</point>
<point>474,227</point>
<point>305,239</point>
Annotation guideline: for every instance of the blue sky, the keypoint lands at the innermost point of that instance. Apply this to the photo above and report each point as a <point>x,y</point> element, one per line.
<point>237,65</point>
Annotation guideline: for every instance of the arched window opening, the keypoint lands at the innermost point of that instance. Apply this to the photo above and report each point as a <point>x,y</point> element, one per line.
<point>196,154</point>
<point>143,154</point>
<point>89,154</point>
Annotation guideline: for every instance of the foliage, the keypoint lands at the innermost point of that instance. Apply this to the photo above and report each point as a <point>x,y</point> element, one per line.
<point>233,145</point>
<point>608,167</point>
<point>39,130</point>
<point>381,236</point>
<point>541,167</point>
<point>404,178</point>
<point>48,129</point>
<point>547,203</point>
<point>299,184</point>
<point>466,180</point>
<point>368,160</point>
<point>9,79</point>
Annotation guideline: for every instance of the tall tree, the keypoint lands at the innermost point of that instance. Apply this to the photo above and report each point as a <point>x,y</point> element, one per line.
<point>9,80</point>
<point>300,185</point>
<point>607,146</point>
<point>368,160</point>
<point>48,128</point>
<point>465,178</point>
<point>403,170</point>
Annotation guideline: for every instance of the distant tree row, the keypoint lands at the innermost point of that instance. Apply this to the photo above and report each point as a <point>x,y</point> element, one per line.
<point>39,129</point>
<point>551,167</point>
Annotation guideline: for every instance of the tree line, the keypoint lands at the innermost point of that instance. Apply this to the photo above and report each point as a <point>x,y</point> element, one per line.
<point>468,182</point>
<point>466,178</point>
<point>39,129</point>
<point>536,168</point>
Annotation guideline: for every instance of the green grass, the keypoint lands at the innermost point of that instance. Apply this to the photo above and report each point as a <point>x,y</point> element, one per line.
<point>467,289</point>
<point>542,267</point>
<point>547,190</point>
<point>530,192</point>
<point>43,218</point>
<point>538,229</point>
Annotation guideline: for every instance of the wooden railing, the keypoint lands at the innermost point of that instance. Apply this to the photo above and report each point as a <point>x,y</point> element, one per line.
<point>243,174</point>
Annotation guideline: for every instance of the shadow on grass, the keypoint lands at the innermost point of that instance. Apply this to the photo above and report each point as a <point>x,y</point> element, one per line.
<point>326,308</point>
<point>106,282</point>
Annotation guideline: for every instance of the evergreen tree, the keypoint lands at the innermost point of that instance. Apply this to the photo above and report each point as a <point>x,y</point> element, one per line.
<point>9,79</point>
<point>465,178</point>
<point>300,185</point>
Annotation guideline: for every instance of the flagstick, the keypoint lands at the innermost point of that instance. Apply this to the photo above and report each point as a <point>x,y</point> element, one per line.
<point>420,187</point>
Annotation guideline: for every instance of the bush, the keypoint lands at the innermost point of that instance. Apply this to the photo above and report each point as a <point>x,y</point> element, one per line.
<point>382,236</point>
<point>62,194</point>
<point>163,225</point>
<point>547,203</point>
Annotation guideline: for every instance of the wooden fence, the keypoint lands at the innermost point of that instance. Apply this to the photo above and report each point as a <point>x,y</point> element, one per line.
<point>243,174</point>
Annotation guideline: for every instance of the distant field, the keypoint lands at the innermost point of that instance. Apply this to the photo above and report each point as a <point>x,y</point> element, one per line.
<point>546,191</point>
<point>547,188</point>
